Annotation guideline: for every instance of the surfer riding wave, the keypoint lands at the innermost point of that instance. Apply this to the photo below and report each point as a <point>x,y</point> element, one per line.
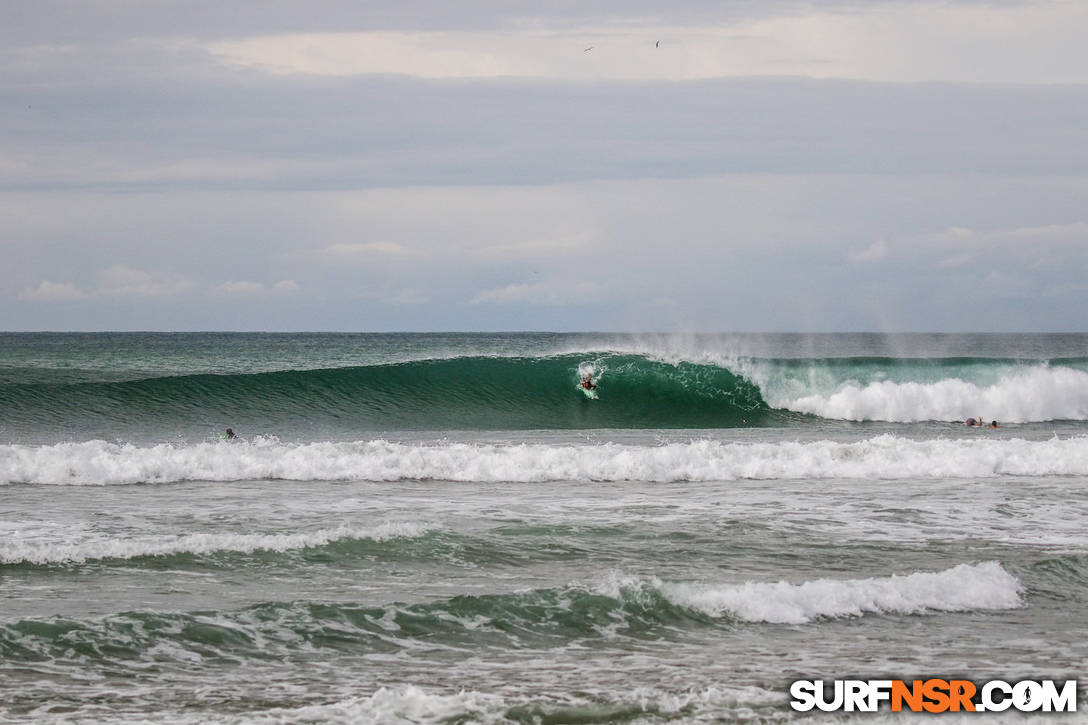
<point>586,371</point>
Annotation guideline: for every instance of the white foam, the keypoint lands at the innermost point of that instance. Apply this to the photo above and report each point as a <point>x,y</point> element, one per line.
<point>89,546</point>
<point>885,456</point>
<point>1031,395</point>
<point>414,704</point>
<point>967,587</point>
<point>1023,395</point>
<point>408,704</point>
<point>398,705</point>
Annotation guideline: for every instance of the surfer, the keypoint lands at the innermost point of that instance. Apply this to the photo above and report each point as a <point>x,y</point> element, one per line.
<point>229,435</point>
<point>587,382</point>
<point>993,424</point>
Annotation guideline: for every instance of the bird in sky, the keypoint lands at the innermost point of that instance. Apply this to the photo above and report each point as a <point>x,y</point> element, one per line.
<point>588,49</point>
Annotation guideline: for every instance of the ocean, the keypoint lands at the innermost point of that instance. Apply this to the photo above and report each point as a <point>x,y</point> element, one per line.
<point>441,528</point>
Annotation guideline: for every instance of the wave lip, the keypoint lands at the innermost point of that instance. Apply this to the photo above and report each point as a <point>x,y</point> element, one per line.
<point>78,552</point>
<point>882,457</point>
<point>966,587</point>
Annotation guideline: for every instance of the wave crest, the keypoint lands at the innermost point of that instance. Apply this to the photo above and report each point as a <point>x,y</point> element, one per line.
<point>966,587</point>
<point>1035,395</point>
<point>614,607</point>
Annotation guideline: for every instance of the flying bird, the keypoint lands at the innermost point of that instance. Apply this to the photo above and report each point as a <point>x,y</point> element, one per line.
<point>657,44</point>
<point>588,49</point>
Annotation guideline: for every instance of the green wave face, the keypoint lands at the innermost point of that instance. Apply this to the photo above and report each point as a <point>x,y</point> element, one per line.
<point>474,393</point>
<point>539,618</point>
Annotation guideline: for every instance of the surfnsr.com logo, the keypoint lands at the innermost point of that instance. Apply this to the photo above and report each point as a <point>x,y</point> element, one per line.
<point>934,695</point>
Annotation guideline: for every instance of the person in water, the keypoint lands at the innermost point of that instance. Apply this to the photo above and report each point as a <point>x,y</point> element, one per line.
<point>971,421</point>
<point>993,424</point>
<point>229,435</point>
<point>587,382</point>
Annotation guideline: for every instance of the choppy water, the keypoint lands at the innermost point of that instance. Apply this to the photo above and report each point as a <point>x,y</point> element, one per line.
<point>441,528</point>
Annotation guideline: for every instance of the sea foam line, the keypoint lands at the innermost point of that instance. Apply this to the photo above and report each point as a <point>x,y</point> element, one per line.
<point>415,704</point>
<point>16,551</point>
<point>881,457</point>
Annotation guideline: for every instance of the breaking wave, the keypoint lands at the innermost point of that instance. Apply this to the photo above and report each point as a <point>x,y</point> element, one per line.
<point>474,393</point>
<point>1020,395</point>
<point>962,588</point>
<point>77,550</point>
<point>881,457</point>
<point>616,606</point>
<point>528,393</point>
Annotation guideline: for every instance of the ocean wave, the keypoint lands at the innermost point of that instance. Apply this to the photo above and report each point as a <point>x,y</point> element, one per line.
<point>526,393</point>
<point>83,549</point>
<point>967,587</point>
<point>1033,395</point>
<point>471,393</point>
<point>881,457</point>
<point>895,389</point>
<point>616,606</point>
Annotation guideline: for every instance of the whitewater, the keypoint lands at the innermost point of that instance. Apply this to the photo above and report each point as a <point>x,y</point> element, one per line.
<point>884,456</point>
<point>1040,393</point>
<point>442,528</point>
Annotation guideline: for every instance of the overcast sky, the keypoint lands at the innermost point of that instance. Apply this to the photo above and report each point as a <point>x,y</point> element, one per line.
<point>511,165</point>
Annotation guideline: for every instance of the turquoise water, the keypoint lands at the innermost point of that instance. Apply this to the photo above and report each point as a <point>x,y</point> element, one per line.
<point>441,528</point>
<point>159,387</point>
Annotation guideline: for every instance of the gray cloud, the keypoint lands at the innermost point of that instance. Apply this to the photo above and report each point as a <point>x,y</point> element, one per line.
<point>136,163</point>
<point>748,252</point>
<point>57,21</point>
<point>371,133</point>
